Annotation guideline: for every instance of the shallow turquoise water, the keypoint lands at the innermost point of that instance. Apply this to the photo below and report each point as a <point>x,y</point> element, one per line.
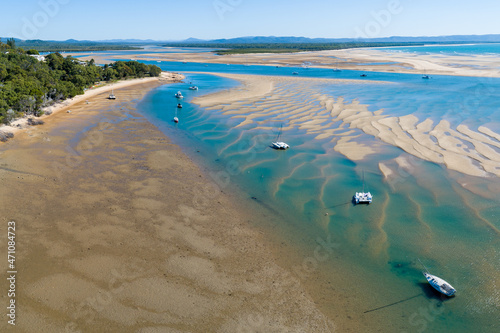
<point>424,213</point>
<point>469,49</point>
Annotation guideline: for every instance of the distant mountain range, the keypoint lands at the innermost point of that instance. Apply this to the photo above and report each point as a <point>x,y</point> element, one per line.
<point>394,39</point>
<point>492,38</point>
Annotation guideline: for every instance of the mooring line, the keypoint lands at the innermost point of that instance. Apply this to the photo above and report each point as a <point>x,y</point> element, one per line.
<point>385,306</point>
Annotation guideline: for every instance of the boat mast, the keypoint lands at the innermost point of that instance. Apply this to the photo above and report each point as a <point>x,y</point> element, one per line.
<point>423,265</point>
<point>363,181</point>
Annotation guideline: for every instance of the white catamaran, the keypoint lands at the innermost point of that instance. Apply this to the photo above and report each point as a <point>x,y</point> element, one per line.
<point>363,197</point>
<point>437,283</point>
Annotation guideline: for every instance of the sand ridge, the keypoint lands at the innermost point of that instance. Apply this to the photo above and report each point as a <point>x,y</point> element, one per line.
<point>294,102</point>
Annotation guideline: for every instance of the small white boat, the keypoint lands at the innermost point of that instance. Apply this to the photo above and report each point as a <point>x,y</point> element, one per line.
<point>280,145</point>
<point>179,95</point>
<point>193,88</point>
<point>112,95</point>
<point>425,77</point>
<point>363,197</point>
<point>179,105</point>
<point>437,283</point>
<point>176,120</point>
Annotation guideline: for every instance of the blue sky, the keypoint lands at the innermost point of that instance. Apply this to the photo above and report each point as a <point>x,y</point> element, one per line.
<point>209,19</point>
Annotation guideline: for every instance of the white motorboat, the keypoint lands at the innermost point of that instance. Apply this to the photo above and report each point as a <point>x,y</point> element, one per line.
<point>336,69</point>
<point>193,88</point>
<point>280,145</point>
<point>112,95</point>
<point>176,120</point>
<point>363,197</point>
<point>179,95</point>
<point>439,284</point>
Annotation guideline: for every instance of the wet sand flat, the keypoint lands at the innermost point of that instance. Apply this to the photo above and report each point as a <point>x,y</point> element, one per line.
<point>118,231</point>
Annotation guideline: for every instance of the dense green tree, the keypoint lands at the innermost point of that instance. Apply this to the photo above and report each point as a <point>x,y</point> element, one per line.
<point>27,85</point>
<point>11,42</point>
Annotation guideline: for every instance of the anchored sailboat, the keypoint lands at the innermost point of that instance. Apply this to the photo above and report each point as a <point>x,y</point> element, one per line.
<point>176,120</point>
<point>279,144</point>
<point>437,283</point>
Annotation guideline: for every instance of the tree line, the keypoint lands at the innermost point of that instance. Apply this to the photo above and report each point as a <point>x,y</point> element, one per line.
<point>236,48</point>
<point>27,85</point>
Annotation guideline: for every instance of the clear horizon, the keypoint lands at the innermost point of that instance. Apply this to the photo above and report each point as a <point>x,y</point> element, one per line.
<point>216,19</point>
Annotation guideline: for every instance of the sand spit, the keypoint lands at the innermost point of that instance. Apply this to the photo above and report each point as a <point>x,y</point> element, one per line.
<point>366,59</point>
<point>22,123</point>
<point>118,231</point>
<point>475,153</point>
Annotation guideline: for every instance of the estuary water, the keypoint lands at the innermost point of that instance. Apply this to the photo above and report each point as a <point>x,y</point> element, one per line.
<point>449,220</point>
<point>461,49</point>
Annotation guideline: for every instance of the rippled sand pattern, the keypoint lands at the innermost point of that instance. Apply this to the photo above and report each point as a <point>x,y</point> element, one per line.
<point>130,237</point>
<point>296,103</point>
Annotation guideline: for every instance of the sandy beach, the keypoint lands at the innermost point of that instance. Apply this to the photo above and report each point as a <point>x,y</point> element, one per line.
<point>118,231</point>
<point>22,123</point>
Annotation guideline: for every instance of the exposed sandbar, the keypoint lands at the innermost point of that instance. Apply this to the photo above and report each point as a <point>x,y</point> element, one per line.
<point>119,231</point>
<point>475,153</point>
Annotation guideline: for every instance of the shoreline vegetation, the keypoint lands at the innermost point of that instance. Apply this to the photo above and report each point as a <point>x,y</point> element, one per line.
<point>248,48</point>
<point>7,131</point>
<point>73,45</point>
<point>31,83</point>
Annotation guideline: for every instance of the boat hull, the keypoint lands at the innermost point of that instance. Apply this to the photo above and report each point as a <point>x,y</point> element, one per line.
<point>363,198</point>
<point>439,284</point>
<point>280,145</point>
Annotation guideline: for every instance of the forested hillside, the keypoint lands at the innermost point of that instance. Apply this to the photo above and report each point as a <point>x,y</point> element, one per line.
<point>27,84</point>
